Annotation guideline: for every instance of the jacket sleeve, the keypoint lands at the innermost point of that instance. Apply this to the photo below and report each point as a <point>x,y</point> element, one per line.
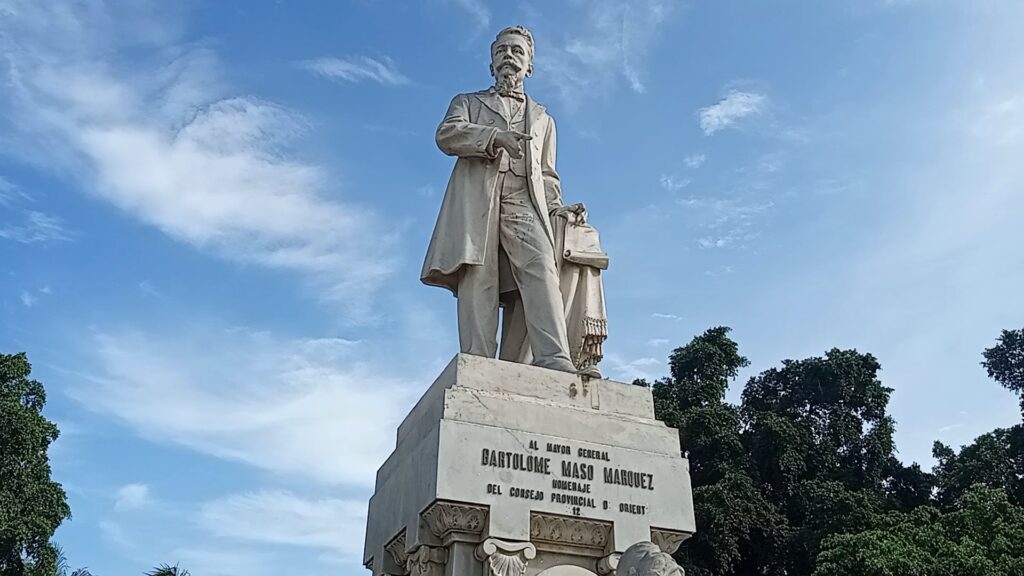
<point>457,136</point>
<point>552,183</point>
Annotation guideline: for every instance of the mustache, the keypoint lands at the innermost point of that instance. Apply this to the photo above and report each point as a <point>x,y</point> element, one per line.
<point>510,63</point>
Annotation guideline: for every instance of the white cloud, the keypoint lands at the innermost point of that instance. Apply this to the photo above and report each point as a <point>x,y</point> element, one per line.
<point>279,517</point>
<point>694,161</point>
<point>726,222</point>
<point>131,497</point>
<point>35,227</point>
<point>647,368</point>
<point>31,226</point>
<point>28,299</point>
<point>612,45</point>
<point>291,406</point>
<point>146,288</point>
<point>671,182</point>
<point>357,69</point>
<point>657,341</point>
<point>735,106</point>
<point>722,270</point>
<point>477,10</point>
<point>665,316</point>
<point>161,143</point>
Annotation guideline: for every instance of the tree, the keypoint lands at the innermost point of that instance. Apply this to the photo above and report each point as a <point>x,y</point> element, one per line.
<point>995,459</point>
<point>982,536</point>
<point>61,568</point>
<point>167,570</point>
<point>820,442</point>
<point>739,528</point>
<point>1005,362</point>
<point>32,505</point>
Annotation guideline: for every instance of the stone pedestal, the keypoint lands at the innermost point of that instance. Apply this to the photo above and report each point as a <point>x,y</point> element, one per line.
<point>503,469</point>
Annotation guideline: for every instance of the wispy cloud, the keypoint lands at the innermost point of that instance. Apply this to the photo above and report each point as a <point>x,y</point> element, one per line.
<point>612,45</point>
<point>28,300</point>
<point>735,106</point>
<point>29,226</point>
<point>657,341</point>
<point>694,161</point>
<point>247,396</point>
<point>280,517</point>
<point>147,289</point>
<point>628,370</point>
<point>163,145</point>
<point>726,222</point>
<point>477,10</point>
<point>356,69</point>
<point>673,182</point>
<point>131,497</point>
<point>666,316</point>
<point>35,227</point>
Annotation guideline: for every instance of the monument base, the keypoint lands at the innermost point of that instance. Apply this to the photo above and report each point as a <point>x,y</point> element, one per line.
<point>504,469</point>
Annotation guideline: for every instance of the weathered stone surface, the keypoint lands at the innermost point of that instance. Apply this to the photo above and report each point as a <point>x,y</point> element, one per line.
<point>518,453</point>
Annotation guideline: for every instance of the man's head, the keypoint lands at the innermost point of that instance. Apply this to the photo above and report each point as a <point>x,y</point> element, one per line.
<point>646,559</point>
<point>512,57</point>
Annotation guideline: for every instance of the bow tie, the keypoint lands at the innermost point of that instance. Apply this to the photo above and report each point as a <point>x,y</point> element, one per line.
<point>516,94</point>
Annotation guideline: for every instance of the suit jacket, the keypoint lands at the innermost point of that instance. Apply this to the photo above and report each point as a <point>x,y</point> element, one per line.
<point>468,221</point>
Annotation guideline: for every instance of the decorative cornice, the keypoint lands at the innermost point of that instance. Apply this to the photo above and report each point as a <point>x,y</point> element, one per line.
<point>449,520</point>
<point>569,531</point>
<point>396,548</point>
<point>506,558</point>
<point>668,540</point>
<point>427,561</point>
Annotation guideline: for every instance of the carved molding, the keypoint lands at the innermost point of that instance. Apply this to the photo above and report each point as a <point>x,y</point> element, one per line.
<point>451,521</point>
<point>396,548</point>
<point>668,540</point>
<point>427,561</point>
<point>606,566</point>
<point>369,564</point>
<point>506,558</point>
<point>569,531</point>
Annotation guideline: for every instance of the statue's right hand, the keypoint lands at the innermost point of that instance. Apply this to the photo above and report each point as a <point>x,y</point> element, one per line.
<point>511,142</point>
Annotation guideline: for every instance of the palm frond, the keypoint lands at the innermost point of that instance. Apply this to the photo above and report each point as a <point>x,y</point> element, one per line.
<point>168,570</point>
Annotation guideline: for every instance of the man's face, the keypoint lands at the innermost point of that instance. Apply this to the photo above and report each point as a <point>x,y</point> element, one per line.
<point>510,56</point>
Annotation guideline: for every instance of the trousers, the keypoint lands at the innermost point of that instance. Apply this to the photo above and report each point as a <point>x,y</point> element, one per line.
<point>530,255</point>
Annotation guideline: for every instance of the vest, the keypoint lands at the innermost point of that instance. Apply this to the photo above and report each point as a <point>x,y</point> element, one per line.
<point>516,166</point>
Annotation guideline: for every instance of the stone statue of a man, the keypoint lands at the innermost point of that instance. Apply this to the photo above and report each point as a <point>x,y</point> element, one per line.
<point>494,236</point>
<point>646,559</point>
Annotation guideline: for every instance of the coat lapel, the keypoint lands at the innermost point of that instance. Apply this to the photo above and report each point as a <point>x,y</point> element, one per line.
<point>491,99</point>
<point>533,113</point>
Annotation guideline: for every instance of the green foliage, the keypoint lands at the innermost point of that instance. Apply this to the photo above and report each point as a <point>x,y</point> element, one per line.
<point>740,529</point>
<point>829,413</point>
<point>982,536</point>
<point>807,456</point>
<point>1005,362</point>
<point>995,459</point>
<point>32,506</point>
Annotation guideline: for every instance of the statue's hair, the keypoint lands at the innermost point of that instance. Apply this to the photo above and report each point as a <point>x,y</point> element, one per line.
<point>647,559</point>
<point>520,30</point>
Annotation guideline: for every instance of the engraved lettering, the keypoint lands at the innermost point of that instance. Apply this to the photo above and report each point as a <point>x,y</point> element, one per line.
<point>628,508</point>
<point>516,461</point>
<point>628,478</point>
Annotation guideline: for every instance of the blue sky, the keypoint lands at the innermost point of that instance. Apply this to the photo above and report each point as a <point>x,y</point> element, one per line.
<point>213,216</point>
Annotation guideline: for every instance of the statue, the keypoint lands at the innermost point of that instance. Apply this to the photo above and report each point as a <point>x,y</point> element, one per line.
<point>647,559</point>
<point>503,237</point>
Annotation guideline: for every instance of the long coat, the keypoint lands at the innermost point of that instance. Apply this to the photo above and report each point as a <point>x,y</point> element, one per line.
<point>468,221</point>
